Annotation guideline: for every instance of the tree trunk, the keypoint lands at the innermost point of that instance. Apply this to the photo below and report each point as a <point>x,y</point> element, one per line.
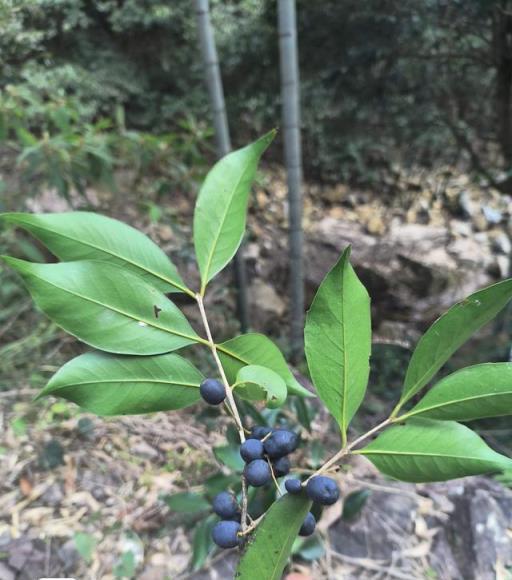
<point>293,158</point>
<point>223,142</point>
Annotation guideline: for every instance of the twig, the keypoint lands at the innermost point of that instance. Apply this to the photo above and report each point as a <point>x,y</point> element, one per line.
<point>347,448</point>
<point>379,566</point>
<point>213,348</point>
<point>274,478</point>
<point>230,399</point>
<point>253,525</point>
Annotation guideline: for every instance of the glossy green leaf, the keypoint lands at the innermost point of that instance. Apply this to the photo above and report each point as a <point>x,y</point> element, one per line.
<point>106,306</point>
<point>229,455</point>
<point>451,331</point>
<point>425,450</point>
<point>84,235</point>
<point>187,503</point>
<point>257,349</point>
<point>269,548</point>
<point>220,212</point>
<point>126,385</point>
<point>338,341</point>
<point>354,503</point>
<point>257,383</point>
<point>202,543</point>
<point>472,393</point>
<point>309,549</point>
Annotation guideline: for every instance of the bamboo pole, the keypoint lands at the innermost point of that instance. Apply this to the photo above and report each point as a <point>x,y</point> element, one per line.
<point>288,52</point>
<point>222,139</point>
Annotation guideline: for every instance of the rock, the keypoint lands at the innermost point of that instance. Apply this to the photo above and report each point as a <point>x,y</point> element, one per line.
<point>68,555</point>
<point>502,266</point>
<point>480,223</point>
<point>460,228</point>
<point>265,298</point>
<point>492,215</point>
<point>466,206</point>
<point>52,496</point>
<point>500,242</point>
<point>6,573</point>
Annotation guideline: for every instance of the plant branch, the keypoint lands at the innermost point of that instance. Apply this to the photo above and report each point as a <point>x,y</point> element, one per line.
<point>345,450</point>
<point>230,403</point>
<point>213,348</point>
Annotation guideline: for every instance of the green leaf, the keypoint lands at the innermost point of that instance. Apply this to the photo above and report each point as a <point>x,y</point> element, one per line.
<point>257,383</point>
<point>424,450</point>
<point>84,235</point>
<point>269,549</point>
<point>338,341</point>
<point>257,349</point>
<point>451,331</point>
<point>85,545</point>
<point>309,549</point>
<point>220,213</point>
<point>187,503</point>
<point>126,385</point>
<point>106,306</point>
<point>475,392</point>
<point>229,455</point>
<point>202,543</point>
<point>354,503</point>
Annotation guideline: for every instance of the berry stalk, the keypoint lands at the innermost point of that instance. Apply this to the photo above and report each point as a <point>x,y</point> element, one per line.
<point>230,398</point>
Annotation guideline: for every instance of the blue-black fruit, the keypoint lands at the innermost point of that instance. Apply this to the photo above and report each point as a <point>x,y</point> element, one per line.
<point>225,534</point>
<point>251,449</point>
<point>308,527</point>
<point>212,391</point>
<point>225,505</point>
<point>260,431</point>
<point>280,443</point>
<point>323,490</point>
<point>293,486</point>
<point>281,466</point>
<point>257,473</point>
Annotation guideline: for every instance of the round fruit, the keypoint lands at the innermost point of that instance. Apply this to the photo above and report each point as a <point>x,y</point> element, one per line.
<point>280,443</point>
<point>212,391</point>
<point>225,534</point>
<point>225,505</point>
<point>257,473</point>
<point>308,527</point>
<point>260,431</point>
<point>281,466</point>
<point>293,486</point>
<point>251,449</point>
<point>323,490</point>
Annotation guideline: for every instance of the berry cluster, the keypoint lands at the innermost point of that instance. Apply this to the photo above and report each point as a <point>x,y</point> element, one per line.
<point>265,453</point>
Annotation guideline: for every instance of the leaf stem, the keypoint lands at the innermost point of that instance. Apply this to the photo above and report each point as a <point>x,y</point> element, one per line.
<point>230,403</point>
<point>345,450</point>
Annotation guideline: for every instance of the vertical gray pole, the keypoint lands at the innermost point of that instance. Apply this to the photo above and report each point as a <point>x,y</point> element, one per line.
<point>223,142</point>
<point>292,149</point>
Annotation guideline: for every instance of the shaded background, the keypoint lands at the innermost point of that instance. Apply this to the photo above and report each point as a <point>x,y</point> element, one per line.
<point>407,152</point>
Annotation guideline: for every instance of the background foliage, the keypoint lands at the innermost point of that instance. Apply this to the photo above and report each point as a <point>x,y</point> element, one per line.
<point>428,79</point>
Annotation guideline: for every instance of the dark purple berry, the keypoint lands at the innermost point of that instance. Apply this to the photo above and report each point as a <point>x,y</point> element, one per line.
<point>323,490</point>
<point>251,449</point>
<point>308,527</point>
<point>212,391</point>
<point>281,466</point>
<point>293,486</point>
<point>280,443</point>
<point>257,473</point>
<point>225,505</point>
<point>260,431</point>
<point>225,534</point>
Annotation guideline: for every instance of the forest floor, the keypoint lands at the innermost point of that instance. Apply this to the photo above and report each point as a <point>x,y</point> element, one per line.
<point>84,496</point>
